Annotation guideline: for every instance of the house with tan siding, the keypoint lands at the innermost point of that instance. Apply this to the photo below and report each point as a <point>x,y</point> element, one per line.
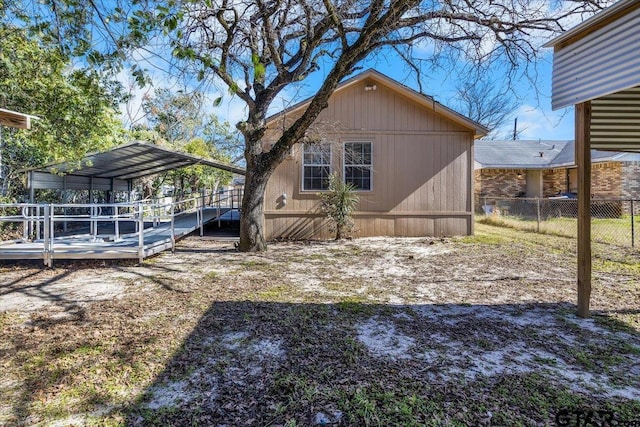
<point>410,158</point>
<point>538,168</point>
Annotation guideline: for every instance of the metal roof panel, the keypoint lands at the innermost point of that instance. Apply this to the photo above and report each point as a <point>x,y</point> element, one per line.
<point>133,160</point>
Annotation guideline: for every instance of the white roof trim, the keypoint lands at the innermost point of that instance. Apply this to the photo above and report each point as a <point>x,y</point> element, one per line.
<point>16,120</point>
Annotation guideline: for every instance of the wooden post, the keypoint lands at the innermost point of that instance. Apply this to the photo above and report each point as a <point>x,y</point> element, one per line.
<point>583,161</point>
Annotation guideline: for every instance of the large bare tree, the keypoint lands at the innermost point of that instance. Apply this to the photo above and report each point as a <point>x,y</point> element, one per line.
<point>487,103</point>
<point>260,47</point>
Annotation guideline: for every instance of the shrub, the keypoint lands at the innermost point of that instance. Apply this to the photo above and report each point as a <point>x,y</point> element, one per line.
<point>338,203</point>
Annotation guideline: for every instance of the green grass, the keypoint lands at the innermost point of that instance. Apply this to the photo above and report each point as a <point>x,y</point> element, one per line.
<point>275,293</point>
<point>615,266</point>
<point>483,238</point>
<point>615,231</point>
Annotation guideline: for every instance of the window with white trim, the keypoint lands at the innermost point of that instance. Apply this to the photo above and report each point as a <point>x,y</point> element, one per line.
<point>316,166</point>
<point>358,164</point>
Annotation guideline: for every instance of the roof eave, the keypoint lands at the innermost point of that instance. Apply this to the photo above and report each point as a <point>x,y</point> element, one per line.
<point>605,14</point>
<point>541,167</point>
<point>15,120</point>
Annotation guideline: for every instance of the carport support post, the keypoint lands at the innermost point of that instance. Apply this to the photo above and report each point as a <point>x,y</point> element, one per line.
<point>583,162</point>
<point>173,227</point>
<point>140,233</point>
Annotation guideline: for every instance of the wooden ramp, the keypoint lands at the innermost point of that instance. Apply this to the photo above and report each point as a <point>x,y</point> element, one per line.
<point>156,238</point>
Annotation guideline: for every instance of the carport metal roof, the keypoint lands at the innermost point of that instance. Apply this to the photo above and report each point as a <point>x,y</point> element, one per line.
<point>131,161</point>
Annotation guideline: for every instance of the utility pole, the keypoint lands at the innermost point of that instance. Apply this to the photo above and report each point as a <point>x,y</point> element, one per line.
<point>515,129</point>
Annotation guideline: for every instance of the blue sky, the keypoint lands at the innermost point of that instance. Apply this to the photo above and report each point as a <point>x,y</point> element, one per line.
<point>536,120</point>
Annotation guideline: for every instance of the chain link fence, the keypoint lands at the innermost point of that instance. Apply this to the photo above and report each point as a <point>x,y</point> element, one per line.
<point>613,221</point>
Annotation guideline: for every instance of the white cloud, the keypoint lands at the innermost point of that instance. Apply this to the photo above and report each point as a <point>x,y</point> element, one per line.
<point>538,123</point>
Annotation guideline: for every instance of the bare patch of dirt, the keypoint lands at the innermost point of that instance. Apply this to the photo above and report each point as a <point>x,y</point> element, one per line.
<point>380,331</point>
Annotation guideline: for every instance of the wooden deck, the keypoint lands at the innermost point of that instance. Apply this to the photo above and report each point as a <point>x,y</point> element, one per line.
<point>155,239</point>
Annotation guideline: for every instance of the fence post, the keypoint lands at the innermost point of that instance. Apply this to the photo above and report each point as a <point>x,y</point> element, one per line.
<point>25,224</point>
<point>173,228</point>
<point>218,208</point>
<point>94,222</point>
<point>633,231</point>
<point>52,229</point>
<point>140,232</point>
<point>47,230</point>
<point>37,223</point>
<point>202,218</point>
<point>116,225</point>
<point>538,212</point>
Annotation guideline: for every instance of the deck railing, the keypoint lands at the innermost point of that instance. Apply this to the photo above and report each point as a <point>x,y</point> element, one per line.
<point>35,222</point>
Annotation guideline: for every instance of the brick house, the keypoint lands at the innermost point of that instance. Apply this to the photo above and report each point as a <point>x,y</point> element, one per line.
<point>547,168</point>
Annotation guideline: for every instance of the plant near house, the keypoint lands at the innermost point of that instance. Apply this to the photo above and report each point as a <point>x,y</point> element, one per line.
<point>338,203</point>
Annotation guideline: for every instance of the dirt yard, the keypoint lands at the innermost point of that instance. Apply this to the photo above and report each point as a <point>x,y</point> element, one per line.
<point>379,331</point>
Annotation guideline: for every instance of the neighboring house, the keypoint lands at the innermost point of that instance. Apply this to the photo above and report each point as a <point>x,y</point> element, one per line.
<point>547,168</point>
<point>410,157</point>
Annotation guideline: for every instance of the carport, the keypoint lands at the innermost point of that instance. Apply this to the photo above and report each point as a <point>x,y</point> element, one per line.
<point>115,169</point>
<point>112,230</point>
<point>596,68</point>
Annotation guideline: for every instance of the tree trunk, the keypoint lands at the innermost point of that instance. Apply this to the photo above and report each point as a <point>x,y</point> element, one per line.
<point>252,213</point>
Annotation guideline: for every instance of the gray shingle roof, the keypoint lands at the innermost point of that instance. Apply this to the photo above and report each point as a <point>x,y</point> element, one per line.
<point>540,154</point>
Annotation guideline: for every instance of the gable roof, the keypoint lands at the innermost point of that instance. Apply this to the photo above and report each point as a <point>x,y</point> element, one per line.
<point>422,99</point>
<point>529,154</point>
<point>131,161</point>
